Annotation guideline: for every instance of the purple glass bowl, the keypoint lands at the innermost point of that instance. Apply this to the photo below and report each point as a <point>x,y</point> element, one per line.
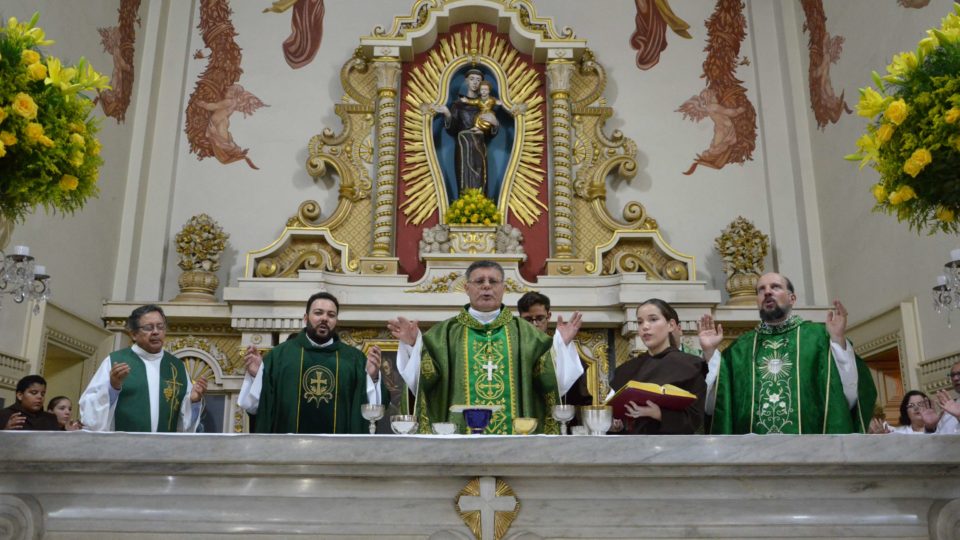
<point>477,419</point>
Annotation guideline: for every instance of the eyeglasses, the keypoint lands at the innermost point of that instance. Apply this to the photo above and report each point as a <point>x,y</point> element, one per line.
<point>536,320</point>
<point>147,328</point>
<point>480,282</point>
<point>953,375</point>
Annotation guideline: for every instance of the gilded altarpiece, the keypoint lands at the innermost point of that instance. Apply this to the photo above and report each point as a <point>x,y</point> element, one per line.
<point>398,167</point>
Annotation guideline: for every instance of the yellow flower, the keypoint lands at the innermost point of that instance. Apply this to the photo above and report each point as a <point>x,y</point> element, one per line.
<point>3,115</point>
<point>37,72</point>
<point>33,131</point>
<point>871,102</point>
<point>879,193</point>
<point>68,182</point>
<point>76,158</point>
<point>77,127</point>
<point>29,57</point>
<point>8,138</point>
<point>902,64</point>
<point>884,133</point>
<point>952,116</point>
<point>945,215</point>
<point>921,158</point>
<point>927,44</point>
<point>58,75</point>
<point>3,150</point>
<point>474,218</point>
<point>77,139</point>
<point>896,112</point>
<point>94,149</point>
<point>901,195</point>
<point>89,78</point>
<point>24,105</point>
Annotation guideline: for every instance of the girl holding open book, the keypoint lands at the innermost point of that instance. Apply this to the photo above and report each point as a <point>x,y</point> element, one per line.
<point>666,369</point>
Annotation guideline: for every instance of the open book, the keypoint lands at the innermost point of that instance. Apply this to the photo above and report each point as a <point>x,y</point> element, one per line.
<point>666,396</point>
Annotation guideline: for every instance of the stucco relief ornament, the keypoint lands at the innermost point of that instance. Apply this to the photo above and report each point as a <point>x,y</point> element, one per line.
<point>199,244</point>
<point>743,248</point>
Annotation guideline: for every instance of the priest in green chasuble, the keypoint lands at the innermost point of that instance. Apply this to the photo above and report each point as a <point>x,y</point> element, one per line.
<point>313,382</point>
<point>143,388</point>
<point>486,356</point>
<point>788,375</point>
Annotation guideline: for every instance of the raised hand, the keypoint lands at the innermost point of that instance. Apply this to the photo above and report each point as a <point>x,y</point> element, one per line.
<point>374,357</point>
<point>199,387</point>
<point>837,324</point>
<point>710,335</point>
<point>568,330</point>
<point>878,427</point>
<point>252,360</point>
<point>947,404</point>
<point>118,373</point>
<point>404,329</point>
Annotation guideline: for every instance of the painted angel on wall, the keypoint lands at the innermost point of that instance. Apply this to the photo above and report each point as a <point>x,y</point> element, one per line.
<point>218,94</point>
<point>706,105</point>
<point>306,30</point>
<point>650,37</point>
<point>824,50</point>
<point>218,133</point>
<point>119,42</point>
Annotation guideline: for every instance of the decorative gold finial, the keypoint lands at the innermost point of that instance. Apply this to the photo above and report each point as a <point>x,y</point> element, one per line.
<point>743,249</point>
<point>199,245</point>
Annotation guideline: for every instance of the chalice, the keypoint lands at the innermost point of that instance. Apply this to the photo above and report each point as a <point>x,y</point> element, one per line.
<point>444,428</point>
<point>403,424</point>
<point>372,412</point>
<point>563,414</point>
<point>598,418</point>
<point>524,425</point>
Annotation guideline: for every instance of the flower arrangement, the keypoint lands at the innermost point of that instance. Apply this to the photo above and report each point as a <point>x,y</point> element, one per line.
<point>49,154</point>
<point>473,208</point>
<point>913,139</point>
<point>200,243</point>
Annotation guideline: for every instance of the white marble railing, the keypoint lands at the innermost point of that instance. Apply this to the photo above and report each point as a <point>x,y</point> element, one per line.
<point>96,485</point>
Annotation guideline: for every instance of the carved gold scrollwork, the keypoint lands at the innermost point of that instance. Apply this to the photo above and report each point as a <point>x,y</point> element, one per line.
<point>644,251</point>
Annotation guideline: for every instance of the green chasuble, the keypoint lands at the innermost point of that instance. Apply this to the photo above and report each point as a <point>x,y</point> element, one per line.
<point>310,389</point>
<point>506,362</point>
<point>785,380</point>
<point>133,404</point>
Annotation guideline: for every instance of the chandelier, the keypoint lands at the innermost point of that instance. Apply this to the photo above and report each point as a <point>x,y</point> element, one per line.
<point>21,277</point>
<point>946,295</point>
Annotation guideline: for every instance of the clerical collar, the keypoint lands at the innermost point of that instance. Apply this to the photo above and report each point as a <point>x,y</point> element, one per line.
<point>484,317</point>
<point>146,355</point>
<point>328,343</point>
<point>790,323</point>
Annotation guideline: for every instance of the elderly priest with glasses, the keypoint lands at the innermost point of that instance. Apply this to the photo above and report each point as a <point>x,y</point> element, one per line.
<point>486,356</point>
<point>143,388</point>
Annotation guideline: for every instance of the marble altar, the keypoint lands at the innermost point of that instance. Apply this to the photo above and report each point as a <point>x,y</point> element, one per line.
<point>116,485</point>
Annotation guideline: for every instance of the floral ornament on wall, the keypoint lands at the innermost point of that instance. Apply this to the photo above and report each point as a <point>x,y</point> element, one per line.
<point>913,138</point>
<point>49,153</point>
<point>200,243</point>
<point>119,41</point>
<point>742,247</point>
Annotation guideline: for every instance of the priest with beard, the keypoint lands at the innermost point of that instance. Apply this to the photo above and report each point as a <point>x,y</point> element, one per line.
<point>313,382</point>
<point>486,356</point>
<point>788,375</point>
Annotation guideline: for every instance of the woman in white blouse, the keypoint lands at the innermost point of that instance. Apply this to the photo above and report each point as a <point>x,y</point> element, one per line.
<point>914,407</point>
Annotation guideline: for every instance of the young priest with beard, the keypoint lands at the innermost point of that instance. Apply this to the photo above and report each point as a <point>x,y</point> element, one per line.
<point>312,383</point>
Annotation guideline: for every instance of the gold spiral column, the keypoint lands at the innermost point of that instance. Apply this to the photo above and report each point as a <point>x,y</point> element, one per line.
<point>387,69</point>
<point>564,261</point>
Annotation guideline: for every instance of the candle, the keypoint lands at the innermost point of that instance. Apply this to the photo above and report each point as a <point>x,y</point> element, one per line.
<point>40,270</point>
<point>941,280</point>
<point>955,255</point>
<point>21,250</point>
